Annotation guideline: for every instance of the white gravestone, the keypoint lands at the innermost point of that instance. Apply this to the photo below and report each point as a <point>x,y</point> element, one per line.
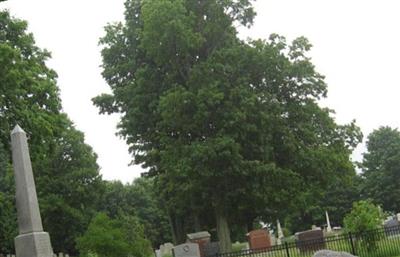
<point>328,223</point>
<point>166,249</point>
<point>186,250</point>
<point>32,241</point>
<point>280,233</point>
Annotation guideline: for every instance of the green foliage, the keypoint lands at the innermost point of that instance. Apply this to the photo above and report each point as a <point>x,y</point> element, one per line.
<point>139,199</point>
<point>339,198</point>
<point>107,237</point>
<point>104,238</point>
<point>224,125</point>
<point>65,169</point>
<point>364,217</point>
<point>236,247</point>
<point>380,168</point>
<point>8,222</point>
<point>29,95</point>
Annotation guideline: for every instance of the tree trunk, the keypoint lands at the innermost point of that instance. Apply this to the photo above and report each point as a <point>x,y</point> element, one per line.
<point>178,235</point>
<point>172,226</point>
<point>223,232</point>
<point>197,226</point>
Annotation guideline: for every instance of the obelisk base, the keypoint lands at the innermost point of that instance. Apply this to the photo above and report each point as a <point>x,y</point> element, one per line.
<point>35,244</point>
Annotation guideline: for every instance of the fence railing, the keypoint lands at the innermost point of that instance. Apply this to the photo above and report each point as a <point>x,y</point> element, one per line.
<point>382,242</point>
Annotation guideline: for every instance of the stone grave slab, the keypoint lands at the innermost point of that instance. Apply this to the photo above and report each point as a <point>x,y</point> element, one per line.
<point>259,239</point>
<point>311,240</point>
<point>186,250</point>
<point>211,249</point>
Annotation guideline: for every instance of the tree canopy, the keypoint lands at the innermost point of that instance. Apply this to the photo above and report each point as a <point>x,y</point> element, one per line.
<point>218,121</point>
<point>380,168</point>
<point>65,169</point>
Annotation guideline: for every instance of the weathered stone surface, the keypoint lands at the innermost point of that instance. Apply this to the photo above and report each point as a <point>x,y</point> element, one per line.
<point>211,249</point>
<point>27,204</point>
<point>186,250</point>
<point>36,244</point>
<point>198,235</point>
<point>32,241</point>
<point>311,240</point>
<point>328,223</point>
<point>280,233</point>
<point>166,249</point>
<point>259,239</point>
<point>201,238</point>
<point>329,253</point>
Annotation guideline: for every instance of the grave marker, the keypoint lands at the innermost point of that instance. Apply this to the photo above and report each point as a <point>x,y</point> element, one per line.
<point>186,250</point>
<point>259,239</point>
<point>211,249</point>
<point>201,238</point>
<point>310,240</point>
<point>32,241</point>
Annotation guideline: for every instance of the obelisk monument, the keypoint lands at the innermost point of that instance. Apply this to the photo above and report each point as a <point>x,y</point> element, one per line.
<point>32,241</point>
<point>328,223</point>
<point>280,233</point>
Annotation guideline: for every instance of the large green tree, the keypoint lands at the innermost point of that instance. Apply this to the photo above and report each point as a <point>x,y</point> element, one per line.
<point>152,54</point>
<point>223,124</point>
<point>381,168</point>
<point>65,168</point>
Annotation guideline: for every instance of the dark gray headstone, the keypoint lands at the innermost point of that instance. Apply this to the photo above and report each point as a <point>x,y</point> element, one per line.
<point>211,249</point>
<point>392,227</point>
<point>311,240</point>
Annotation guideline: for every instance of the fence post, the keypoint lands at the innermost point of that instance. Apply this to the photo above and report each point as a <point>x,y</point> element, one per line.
<point>287,249</point>
<point>353,249</point>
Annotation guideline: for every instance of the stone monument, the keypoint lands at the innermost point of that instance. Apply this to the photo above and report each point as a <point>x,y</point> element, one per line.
<point>280,233</point>
<point>32,241</point>
<point>186,250</point>
<point>166,249</point>
<point>211,249</point>
<point>201,238</point>
<point>259,239</point>
<point>311,240</point>
<point>328,223</point>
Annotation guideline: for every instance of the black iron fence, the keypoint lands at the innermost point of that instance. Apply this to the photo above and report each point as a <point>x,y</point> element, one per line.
<point>382,242</point>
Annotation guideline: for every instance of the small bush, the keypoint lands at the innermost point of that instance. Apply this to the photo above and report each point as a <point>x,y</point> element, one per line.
<point>364,216</point>
<point>107,237</point>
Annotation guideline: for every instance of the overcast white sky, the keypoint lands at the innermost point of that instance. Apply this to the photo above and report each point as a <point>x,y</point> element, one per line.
<point>356,46</point>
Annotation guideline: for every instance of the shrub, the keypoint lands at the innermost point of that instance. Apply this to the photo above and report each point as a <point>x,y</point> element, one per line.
<point>107,237</point>
<point>364,217</point>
